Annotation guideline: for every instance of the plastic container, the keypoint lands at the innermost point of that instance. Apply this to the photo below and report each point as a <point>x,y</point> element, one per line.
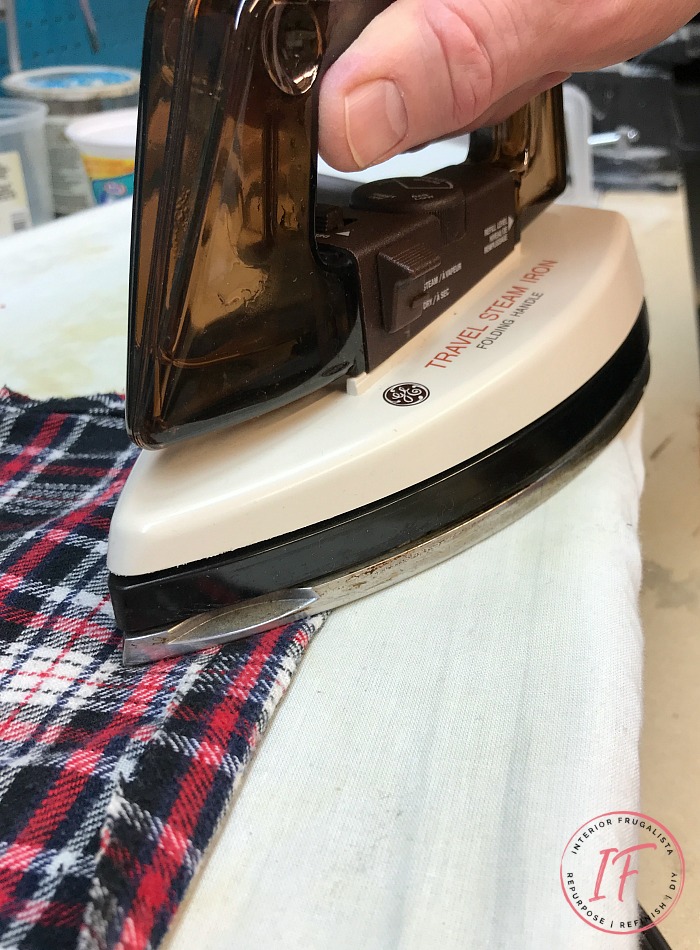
<point>25,187</point>
<point>578,118</point>
<point>107,144</point>
<point>71,92</point>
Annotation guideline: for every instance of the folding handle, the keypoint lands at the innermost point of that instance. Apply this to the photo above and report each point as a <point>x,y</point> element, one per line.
<point>532,145</point>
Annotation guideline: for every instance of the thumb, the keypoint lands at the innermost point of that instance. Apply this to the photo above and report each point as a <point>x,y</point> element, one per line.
<point>423,69</point>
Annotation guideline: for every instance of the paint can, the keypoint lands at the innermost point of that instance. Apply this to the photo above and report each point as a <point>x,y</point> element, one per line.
<point>107,144</point>
<point>70,92</point>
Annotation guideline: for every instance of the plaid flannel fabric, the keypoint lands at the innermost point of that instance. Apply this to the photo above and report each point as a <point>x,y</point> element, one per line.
<point>112,780</point>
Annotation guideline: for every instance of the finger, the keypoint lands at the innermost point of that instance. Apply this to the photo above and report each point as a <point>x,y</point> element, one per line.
<point>419,71</point>
<point>506,106</point>
<point>426,68</point>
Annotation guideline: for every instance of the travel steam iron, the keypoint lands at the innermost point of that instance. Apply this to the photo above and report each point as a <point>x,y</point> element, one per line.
<point>343,388</point>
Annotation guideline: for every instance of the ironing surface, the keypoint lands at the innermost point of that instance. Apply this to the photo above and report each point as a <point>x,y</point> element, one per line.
<point>441,743</point>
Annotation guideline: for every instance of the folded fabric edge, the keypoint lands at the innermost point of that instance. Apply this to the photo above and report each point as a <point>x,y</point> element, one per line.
<point>93,404</point>
<point>134,910</point>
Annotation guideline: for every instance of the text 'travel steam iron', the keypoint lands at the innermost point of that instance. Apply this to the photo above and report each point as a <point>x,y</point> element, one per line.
<point>347,391</point>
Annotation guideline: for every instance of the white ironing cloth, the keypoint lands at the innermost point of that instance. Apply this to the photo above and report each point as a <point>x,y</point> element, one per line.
<point>443,739</point>
<point>442,742</point>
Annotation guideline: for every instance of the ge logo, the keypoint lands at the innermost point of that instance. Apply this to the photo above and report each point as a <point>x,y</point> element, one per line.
<point>406,394</point>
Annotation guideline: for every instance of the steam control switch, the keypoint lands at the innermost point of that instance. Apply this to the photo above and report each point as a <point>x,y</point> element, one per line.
<point>403,271</point>
<point>419,244</point>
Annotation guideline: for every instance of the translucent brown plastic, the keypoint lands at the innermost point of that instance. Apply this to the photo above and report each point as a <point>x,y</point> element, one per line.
<point>532,144</point>
<point>233,311</point>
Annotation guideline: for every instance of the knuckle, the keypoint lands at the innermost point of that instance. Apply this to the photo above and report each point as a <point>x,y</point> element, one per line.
<point>465,33</point>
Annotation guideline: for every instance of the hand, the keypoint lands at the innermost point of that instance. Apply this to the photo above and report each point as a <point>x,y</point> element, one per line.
<point>427,68</point>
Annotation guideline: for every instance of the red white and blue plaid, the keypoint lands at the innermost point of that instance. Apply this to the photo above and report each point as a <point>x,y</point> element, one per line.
<point>112,780</point>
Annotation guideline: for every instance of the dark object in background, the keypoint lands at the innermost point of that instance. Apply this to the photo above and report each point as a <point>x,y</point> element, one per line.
<point>652,939</point>
<point>679,55</point>
<point>688,101</point>
<point>636,130</point>
<point>658,95</point>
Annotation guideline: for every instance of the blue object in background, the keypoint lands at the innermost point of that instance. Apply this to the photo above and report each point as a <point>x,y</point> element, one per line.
<point>53,33</point>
